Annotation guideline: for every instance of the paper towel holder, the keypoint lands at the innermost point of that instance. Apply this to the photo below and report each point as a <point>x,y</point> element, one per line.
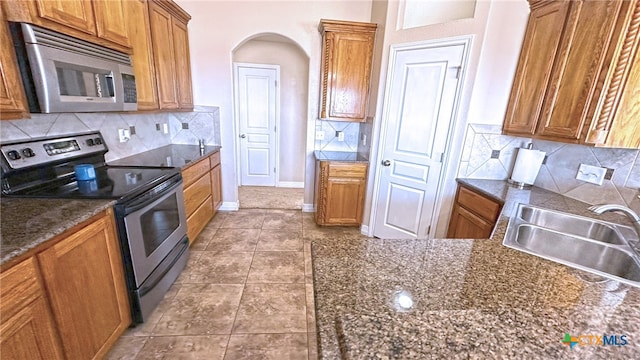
<point>518,184</point>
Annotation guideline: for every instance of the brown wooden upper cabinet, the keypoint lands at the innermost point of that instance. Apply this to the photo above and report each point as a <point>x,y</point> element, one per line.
<point>170,44</point>
<point>578,78</point>
<point>97,21</point>
<point>347,52</point>
<point>13,104</point>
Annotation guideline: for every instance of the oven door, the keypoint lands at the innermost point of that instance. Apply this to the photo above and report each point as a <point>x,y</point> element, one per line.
<point>153,230</point>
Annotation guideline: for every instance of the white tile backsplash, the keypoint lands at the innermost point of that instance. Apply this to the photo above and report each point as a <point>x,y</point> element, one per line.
<point>559,171</point>
<point>204,122</point>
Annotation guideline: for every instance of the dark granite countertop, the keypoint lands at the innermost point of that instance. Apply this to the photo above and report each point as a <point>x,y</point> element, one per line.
<point>174,155</point>
<point>339,156</point>
<point>27,223</point>
<point>466,298</point>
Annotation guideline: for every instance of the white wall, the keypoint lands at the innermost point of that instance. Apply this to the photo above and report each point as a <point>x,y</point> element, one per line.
<point>218,27</point>
<point>294,76</point>
<point>492,24</point>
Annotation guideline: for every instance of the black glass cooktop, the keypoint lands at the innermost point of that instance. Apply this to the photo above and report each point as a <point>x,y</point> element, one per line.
<point>112,182</point>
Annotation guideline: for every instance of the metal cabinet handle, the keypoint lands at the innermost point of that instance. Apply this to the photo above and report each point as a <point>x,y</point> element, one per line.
<point>243,136</point>
<point>386,163</point>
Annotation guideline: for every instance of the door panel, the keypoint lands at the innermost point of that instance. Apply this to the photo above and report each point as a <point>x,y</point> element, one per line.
<point>257,106</point>
<point>423,87</point>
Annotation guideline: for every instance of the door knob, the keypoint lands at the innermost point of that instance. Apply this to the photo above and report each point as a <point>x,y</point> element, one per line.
<point>243,136</point>
<point>386,163</point>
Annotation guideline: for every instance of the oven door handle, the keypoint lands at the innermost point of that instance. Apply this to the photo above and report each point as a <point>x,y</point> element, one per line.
<point>146,199</point>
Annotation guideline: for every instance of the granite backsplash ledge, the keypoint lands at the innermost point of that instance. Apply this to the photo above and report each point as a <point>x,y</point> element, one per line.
<point>488,154</point>
<point>147,129</point>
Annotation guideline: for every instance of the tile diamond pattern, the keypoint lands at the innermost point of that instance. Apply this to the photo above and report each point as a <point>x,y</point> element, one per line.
<point>559,171</point>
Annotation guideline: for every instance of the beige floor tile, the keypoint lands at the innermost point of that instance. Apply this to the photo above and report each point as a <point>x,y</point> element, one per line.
<point>311,309</point>
<point>214,268</point>
<point>234,240</point>
<point>126,348</point>
<point>309,221</point>
<point>201,309</point>
<point>191,264</point>
<point>280,240</point>
<point>218,219</point>
<point>267,347</point>
<point>244,219</point>
<point>283,219</point>
<point>270,197</point>
<point>277,267</point>
<point>313,345</point>
<point>272,308</point>
<point>202,240</point>
<point>210,347</point>
<point>308,266</point>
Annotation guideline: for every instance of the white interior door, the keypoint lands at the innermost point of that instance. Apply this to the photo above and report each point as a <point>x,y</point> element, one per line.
<point>419,109</point>
<point>257,114</point>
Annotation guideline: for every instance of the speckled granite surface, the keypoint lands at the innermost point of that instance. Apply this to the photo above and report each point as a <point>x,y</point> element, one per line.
<point>339,156</point>
<point>466,298</point>
<point>174,155</point>
<point>27,223</point>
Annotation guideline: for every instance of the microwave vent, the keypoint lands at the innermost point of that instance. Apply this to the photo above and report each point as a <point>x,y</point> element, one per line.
<point>38,35</point>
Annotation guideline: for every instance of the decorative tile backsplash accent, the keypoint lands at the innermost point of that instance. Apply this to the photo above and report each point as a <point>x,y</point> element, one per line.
<point>203,123</point>
<point>351,131</point>
<point>558,173</point>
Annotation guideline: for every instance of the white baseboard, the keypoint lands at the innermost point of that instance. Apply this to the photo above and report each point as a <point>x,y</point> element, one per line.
<point>308,208</point>
<point>230,206</point>
<point>364,230</point>
<point>290,184</point>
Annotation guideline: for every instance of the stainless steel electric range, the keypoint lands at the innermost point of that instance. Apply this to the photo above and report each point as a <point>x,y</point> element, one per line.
<point>149,209</point>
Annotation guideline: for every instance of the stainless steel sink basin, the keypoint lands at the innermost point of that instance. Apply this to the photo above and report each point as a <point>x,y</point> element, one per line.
<point>571,224</point>
<point>588,244</point>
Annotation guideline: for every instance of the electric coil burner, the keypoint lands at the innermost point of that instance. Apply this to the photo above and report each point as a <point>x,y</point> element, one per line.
<point>149,209</point>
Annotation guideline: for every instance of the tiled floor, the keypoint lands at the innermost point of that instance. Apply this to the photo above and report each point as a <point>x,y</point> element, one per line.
<point>246,293</point>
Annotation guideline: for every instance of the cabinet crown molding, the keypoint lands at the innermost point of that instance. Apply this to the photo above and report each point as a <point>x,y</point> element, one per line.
<point>346,26</point>
<point>174,9</point>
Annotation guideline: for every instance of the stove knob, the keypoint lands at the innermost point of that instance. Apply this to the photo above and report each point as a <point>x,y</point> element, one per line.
<point>90,142</point>
<point>97,141</point>
<point>27,152</point>
<point>13,155</point>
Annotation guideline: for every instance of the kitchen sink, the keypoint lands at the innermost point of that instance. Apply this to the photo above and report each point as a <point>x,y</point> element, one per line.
<point>588,244</point>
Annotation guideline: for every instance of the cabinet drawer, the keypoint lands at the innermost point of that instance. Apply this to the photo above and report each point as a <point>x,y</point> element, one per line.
<point>199,219</point>
<point>196,193</point>
<point>19,287</point>
<point>345,170</point>
<point>215,159</point>
<point>195,171</point>
<point>480,205</point>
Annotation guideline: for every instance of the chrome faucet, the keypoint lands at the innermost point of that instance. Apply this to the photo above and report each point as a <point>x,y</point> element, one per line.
<point>635,219</point>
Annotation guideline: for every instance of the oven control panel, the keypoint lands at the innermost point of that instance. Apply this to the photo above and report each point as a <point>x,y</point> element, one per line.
<point>27,153</point>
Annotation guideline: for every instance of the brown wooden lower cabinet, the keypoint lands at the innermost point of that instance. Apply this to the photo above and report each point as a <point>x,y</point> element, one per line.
<point>28,330</point>
<point>340,190</point>
<point>473,215</point>
<point>202,193</point>
<point>83,275</point>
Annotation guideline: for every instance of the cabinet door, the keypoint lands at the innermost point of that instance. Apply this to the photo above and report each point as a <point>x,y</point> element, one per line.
<point>345,198</point>
<point>27,330</point>
<point>85,282</point>
<point>216,187</point>
<point>110,21</point>
<point>534,67</point>
<point>466,225</point>
<point>137,17</point>
<point>574,86</point>
<point>347,75</point>
<point>77,14</point>
<point>183,64</point>
<point>162,43</point>
<point>12,100</point>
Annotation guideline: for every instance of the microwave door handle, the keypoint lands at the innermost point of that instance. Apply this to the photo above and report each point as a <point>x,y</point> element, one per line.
<point>110,88</point>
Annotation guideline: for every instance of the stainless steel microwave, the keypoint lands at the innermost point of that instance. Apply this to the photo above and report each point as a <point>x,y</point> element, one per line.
<point>61,73</point>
